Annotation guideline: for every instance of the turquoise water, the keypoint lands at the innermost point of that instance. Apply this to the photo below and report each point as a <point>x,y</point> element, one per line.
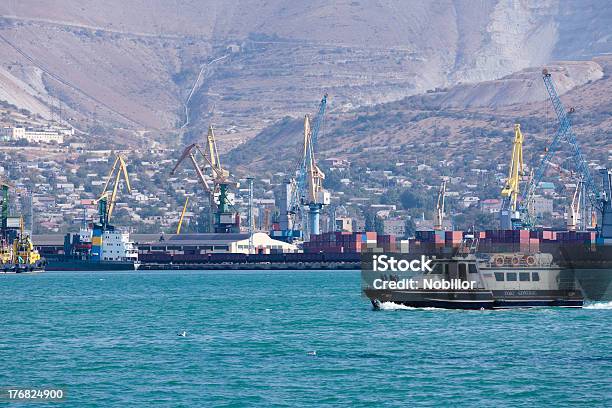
<point>110,339</point>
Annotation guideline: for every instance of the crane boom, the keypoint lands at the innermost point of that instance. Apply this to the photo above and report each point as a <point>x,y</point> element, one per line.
<point>564,132</point>
<point>565,123</point>
<point>574,219</point>
<point>509,217</point>
<point>511,188</point>
<point>188,153</point>
<point>438,225</point>
<point>319,120</point>
<point>311,138</point>
<point>118,169</point>
<point>180,223</point>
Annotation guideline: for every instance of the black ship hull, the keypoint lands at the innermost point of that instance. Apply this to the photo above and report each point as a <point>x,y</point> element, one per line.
<point>474,299</point>
<point>39,266</point>
<point>591,266</point>
<point>70,264</point>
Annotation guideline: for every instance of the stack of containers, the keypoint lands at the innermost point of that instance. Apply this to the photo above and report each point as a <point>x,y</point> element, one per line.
<point>440,238</point>
<point>523,237</point>
<point>453,238</point>
<point>386,242</point>
<point>582,237</point>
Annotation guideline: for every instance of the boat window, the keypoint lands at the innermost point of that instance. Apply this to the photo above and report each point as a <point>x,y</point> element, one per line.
<point>524,276</point>
<point>437,269</point>
<point>511,276</point>
<point>499,276</point>
<point>472,268</point>
<point>535,276</point>
<point>462,271</point>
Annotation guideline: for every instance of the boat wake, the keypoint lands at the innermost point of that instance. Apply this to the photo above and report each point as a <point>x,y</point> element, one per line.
<point>599,306</point>
<point>395,306</point>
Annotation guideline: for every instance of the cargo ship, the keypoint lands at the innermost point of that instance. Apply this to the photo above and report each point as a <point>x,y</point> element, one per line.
<point>93,249</point>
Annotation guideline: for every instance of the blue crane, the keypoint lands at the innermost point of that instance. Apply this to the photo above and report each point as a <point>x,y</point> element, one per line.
<point>295,190</point>
<point>564,132</point>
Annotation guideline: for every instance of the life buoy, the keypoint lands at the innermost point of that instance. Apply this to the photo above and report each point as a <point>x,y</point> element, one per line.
<point>499,260</point>
<point>530,260</point>
<point>516,261</point>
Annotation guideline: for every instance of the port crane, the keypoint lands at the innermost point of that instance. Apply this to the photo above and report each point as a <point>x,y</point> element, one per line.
<point>439,216</point>
<point>315,194</point>
<point>509,216</point>
<point>564,133</point>
<point>106,201</point>
<point>310,176</point>
<point>306,188</point>
<point>222,218</point>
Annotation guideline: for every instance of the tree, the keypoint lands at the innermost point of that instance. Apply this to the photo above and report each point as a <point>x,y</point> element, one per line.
<point>410,228</point>
<point>368,217</point>
<point>484,221</point>
<point>379,226</point>
<point>410,200</point>
<point>373,222</point>
<point>390,197</point>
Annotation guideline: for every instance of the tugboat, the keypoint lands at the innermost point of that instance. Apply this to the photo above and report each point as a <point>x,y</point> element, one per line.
<point>479,281</point>
<point>17,253</point>
<point>20,256</point>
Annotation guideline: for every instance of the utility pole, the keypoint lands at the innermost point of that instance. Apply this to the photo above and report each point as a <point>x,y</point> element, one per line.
<point>250,216</point>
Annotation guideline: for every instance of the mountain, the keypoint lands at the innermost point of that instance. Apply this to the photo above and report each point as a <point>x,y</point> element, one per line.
<point>470,124</point>
<point>154,66</point>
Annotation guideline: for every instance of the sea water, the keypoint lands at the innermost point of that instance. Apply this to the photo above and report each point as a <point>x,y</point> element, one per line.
<point>287,338</point>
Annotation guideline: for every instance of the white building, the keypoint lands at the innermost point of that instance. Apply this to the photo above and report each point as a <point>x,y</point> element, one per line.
<point>206,243</point>
<point>33,135</point>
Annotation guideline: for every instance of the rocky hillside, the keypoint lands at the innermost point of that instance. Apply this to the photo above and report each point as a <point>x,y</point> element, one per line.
<point>245,64</point>
<point>462,124</point>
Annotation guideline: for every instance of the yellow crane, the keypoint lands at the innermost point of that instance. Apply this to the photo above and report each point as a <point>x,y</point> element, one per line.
<point>439,216</point>
<point>119,168</point>
<point>180,223</point>
<point>510,191</point>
